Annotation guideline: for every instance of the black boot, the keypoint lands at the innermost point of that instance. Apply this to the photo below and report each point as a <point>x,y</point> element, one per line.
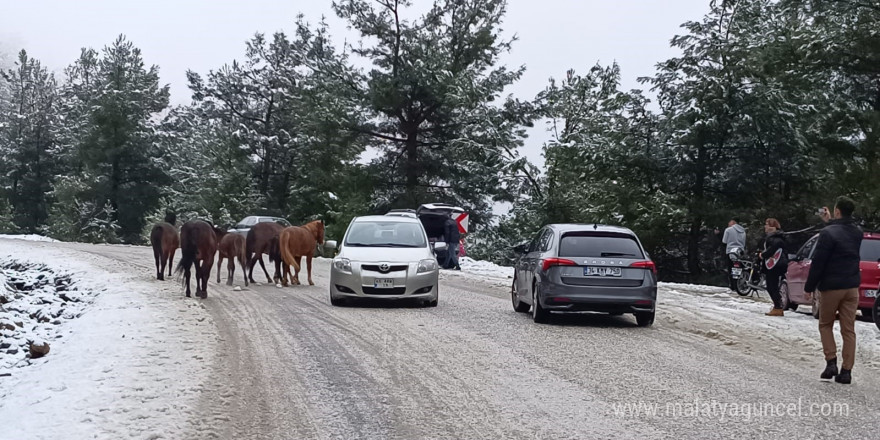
<point>845,376</point>
<point>830,369</point>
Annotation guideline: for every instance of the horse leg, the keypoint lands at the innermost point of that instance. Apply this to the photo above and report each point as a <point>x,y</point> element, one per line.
<point>157,255</point>
<point>208,264</point>
<point>252,262</point>
<point>186,276</point>
<point>171,260</point>
<point>296,270</point>
<point>230,269</point>
<point>263,265</point>
<point>219,264</point>
<point>309,264</point>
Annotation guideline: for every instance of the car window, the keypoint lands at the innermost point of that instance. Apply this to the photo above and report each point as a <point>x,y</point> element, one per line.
<point>806,250</point>
<point>546,240</point>
<point>250,221</point>
<point>870,250</point>
<point>386,234</point>
<point>533,245</point>
<point>599,244</point>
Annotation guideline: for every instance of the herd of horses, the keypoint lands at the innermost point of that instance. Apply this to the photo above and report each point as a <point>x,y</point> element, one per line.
<point>199,241</point>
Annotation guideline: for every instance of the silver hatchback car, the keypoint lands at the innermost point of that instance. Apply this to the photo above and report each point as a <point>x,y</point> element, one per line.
<point>585,267</point>
<point>386,257</point>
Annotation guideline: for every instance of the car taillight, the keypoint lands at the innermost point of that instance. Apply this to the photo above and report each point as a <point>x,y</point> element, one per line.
<point>645,265</point>
<point>550,262</point>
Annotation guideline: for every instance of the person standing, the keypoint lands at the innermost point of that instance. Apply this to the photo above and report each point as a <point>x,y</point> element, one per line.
<point>775,263</point>
<point>835,273</point>
<point>734,238</point>
<point>452,237</point>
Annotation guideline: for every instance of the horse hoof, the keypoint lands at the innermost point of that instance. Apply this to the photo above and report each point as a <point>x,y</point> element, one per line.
<point>311,283</point>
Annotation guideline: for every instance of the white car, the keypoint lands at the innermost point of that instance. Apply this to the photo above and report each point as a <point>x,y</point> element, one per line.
<point>386,257</point>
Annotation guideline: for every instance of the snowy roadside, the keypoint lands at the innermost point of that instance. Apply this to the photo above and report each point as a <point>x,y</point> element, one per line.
<point>132,365</point>
<point>720,314</point>
<point>29,237</point>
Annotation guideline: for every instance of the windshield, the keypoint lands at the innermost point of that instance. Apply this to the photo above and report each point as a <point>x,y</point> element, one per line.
<point>386,234</point>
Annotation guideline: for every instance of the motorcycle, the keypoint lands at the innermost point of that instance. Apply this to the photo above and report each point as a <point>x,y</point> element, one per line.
<point>747,274</point>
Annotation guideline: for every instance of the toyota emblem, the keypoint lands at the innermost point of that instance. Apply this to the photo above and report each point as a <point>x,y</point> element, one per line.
<point>384,267</point>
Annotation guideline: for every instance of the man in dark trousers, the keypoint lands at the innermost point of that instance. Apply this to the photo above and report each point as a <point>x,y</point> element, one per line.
<point>835,272</point>
<point>452,237</point>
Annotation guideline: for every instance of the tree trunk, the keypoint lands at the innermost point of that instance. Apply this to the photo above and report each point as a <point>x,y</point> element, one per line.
<point>412,167</point>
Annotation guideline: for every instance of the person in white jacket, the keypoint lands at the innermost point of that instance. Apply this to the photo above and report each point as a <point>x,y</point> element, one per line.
<point>734,237</point>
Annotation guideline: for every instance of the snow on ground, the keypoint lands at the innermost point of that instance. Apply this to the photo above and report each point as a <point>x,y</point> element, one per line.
<point>131,366</point>
<point>29,237</point>
<point>721,314</point>
<point>35,302</point>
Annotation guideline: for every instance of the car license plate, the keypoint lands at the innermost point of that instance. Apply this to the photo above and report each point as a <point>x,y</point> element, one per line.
<point>591,271</point>
<point>870,294</point>
<point>383,283</point>
<point>736,272</point>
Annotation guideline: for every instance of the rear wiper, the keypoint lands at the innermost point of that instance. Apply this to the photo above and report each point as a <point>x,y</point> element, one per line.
<point>616,254</point>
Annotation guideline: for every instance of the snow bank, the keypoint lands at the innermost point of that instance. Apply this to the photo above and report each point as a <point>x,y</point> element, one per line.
<point>30,237</point>
<point>131,366</point>
<point>484,268</point>
<point>34,302</point>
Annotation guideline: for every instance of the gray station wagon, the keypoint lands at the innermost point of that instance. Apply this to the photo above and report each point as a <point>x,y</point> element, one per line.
<point>585,267</point>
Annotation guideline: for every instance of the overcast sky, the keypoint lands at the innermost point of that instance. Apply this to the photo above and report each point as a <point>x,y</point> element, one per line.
<point>176,35</point>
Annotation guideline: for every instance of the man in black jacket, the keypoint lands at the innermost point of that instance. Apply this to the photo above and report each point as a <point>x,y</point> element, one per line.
<point>452,237</point>
<point>835,272</point>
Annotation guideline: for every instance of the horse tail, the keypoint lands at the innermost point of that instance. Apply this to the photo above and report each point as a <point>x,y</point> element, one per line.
<point>188,250</point>
<point>156,240</point>
<point>242,255</point>
<point>283,244</point>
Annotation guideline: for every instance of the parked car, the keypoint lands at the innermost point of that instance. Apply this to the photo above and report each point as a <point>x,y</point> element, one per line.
<point>246,223</point>
<point>387,257</point>
<point>792,289</point>
<point>403,213</point>
<point>585,267</point>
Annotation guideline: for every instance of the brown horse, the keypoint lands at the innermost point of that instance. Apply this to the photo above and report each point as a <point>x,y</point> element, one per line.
<point>258,242</point>
<point>232,246</point>
<point>198,244</point>
<point>296,242</point>
<point>165,241</point>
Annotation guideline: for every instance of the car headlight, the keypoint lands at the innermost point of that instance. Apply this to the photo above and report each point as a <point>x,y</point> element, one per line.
<point>427,265</point>
<point>343,264</point>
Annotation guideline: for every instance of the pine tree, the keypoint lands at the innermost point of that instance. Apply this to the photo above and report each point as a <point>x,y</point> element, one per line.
<point>28,126</point>
<point>114,100</point>
<point>432,94</point>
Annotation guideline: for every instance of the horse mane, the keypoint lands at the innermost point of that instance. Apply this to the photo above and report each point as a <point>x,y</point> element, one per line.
<point>316,227</point>
<point>170,218</point>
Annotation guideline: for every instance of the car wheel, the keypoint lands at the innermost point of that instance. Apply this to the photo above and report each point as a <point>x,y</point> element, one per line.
<point>539,315</point>
<point>867,315</point>
<point>518,306</point>
<point>876,310</point>
<point>783,295</point>
<point>815,305</point>
<point>645,319</point>
<point>432,302</point>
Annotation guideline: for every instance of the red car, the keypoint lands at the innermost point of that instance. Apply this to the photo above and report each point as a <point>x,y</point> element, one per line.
<point>792,288</point>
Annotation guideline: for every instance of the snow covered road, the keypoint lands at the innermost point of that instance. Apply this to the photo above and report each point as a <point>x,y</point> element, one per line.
<point>282,363</point>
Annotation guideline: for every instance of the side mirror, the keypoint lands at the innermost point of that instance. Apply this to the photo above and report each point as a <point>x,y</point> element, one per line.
<point>440,246</point>
<point>329,244</point>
